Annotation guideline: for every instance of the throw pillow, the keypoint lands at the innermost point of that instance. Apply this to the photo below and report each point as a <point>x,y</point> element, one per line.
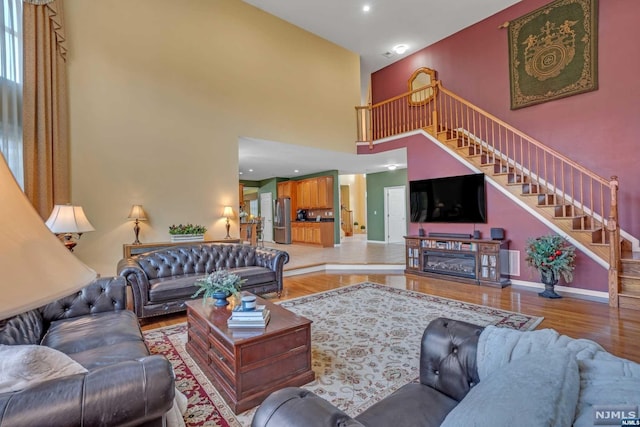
<point>540,389</point>
<point>22,366</point>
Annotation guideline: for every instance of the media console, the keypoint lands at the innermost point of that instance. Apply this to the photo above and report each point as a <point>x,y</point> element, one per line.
<point>477,261</point>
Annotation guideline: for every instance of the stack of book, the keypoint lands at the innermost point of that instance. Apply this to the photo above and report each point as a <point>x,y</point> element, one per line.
<point>256,318</point>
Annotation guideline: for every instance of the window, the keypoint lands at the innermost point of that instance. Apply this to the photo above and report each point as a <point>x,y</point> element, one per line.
<point>11,86</point>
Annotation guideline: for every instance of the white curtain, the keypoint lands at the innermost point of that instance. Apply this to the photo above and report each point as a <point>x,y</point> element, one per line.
<point>11,87</point>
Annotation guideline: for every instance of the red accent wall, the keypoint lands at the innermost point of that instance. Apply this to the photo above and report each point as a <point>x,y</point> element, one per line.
<point>600,129</point>
<point>502,212</point>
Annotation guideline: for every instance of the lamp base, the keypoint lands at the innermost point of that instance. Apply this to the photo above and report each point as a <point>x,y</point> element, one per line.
<point>228,228</point>
<point>136,230</point>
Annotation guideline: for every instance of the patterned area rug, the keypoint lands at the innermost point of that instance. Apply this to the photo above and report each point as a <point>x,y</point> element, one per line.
<point>365,345</point>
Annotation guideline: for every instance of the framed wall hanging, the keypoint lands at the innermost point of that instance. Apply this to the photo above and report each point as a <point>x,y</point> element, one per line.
<point>553,52</point>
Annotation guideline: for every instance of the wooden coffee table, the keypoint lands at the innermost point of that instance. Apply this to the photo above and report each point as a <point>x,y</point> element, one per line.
<point>246,365</point>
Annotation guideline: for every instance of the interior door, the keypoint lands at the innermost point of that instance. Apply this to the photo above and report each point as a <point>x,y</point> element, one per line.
<point>395,214</point>
<point>266,212</point>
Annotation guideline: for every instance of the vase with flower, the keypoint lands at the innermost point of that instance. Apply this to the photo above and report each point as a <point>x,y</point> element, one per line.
<point>553,257</point>
<point>219,286</point>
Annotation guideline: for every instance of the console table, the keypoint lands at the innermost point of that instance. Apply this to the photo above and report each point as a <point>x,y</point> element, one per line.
<point>477,261</point>
<point>129,249</point>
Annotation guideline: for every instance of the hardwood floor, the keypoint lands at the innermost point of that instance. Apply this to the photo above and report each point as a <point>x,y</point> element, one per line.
<point>617,330</point>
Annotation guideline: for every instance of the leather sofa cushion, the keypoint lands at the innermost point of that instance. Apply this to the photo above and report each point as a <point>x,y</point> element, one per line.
<point>411,405</point>
<point>255,275</point>
<point>85,341</point>
<point>182,287</point>
<point>172,288</point>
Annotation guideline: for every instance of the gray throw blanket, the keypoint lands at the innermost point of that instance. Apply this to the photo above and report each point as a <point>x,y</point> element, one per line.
<point>604,378</point>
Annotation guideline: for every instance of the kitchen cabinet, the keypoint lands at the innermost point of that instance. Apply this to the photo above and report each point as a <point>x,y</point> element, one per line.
<point>315,193</point>
<point>313,233</point>
<point>289,189</point>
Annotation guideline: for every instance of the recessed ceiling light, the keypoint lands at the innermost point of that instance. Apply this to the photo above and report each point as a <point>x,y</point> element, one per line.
<point>392,167</point>
<point>250,170</point>
<point>400,49</point>
<point>240,172</point>
<point>296,171</point>
<point>366,8</point>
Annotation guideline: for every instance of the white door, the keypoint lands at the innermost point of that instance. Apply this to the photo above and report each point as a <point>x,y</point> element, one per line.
<point>266,212</point>
<point>395,214</point>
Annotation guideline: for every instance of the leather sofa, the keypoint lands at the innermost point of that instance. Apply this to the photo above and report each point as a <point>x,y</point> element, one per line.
<point>492,376</point>
<point>163,280</point>
<point>123,385</point>
<point>447,372</point>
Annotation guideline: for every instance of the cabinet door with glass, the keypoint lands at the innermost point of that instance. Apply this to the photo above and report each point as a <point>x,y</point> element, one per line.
<point>414,258</point>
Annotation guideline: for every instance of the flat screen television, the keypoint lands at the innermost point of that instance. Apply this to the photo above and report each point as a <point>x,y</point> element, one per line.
<point>450,199</point>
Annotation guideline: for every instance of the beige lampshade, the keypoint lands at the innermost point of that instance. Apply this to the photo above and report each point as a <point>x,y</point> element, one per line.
<point>227,212</point>
<point>68,219</point>
<point>36,268</point>
<point>137,213</point>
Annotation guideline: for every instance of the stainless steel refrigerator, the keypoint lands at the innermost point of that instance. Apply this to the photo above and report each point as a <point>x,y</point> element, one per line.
<point>282,220</point>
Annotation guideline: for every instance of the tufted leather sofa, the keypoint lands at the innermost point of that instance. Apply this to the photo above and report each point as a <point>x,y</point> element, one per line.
<point>124,385</point>
<point>447,372</point>
<point>162,281</point>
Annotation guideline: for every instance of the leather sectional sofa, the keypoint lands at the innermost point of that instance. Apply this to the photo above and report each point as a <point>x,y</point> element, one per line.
<point>118,383</point>
<point>163,280</point>
<point>493,376</point>
<point>447,372</point>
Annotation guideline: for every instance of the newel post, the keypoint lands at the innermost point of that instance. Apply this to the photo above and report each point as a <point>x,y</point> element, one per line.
<point>613,229</point>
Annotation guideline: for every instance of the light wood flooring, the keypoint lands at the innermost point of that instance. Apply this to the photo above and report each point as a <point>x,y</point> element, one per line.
<point>617,330</point>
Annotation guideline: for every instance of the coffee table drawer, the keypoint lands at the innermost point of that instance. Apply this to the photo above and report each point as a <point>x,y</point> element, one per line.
<point>274,347</point>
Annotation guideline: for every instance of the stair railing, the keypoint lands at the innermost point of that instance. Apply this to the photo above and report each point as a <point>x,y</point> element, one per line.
<point>578,194</point>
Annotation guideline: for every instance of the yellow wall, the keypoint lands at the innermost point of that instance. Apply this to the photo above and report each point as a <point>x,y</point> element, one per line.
<point>160,91</point>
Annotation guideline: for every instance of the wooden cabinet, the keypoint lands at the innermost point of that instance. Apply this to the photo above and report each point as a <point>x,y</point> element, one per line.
<point>313,233</point>
<point>315,193</point>
<point>286,189</point>
<point>325,192</point>
<point>413,255</point>
<point>482,262</point>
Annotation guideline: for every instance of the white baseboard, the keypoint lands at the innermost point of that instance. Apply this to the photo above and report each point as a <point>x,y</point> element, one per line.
<point>585,294</point>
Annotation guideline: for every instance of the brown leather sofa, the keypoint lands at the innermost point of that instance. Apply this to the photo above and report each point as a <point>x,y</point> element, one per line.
<point>123,384</point>
<point>162,281</point>
<point>447,372</point>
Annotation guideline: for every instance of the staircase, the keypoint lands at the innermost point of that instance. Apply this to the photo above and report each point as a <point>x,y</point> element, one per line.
<point>579,202</point>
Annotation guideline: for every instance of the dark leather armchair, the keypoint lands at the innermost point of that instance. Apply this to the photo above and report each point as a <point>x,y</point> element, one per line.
<point>124,385</point>
<point>447,372</point>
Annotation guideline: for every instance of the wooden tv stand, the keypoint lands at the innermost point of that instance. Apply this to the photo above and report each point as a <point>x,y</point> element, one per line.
<point>476,261</point>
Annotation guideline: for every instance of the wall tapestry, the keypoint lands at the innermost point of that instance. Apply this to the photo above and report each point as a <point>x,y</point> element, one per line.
<point>553,52</point>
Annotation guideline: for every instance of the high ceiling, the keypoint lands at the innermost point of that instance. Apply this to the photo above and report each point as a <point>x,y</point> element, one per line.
<point>372,35</point>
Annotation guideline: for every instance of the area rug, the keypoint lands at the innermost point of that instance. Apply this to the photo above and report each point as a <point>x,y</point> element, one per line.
<point>365,345</point>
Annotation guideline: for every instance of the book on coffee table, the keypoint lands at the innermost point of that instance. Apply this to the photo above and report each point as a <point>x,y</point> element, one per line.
<point>249,322</point>
<point>255,313</point>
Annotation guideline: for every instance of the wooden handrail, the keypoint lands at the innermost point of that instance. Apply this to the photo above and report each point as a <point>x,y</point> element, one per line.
<point>574,191</point>
<point>525,136</point>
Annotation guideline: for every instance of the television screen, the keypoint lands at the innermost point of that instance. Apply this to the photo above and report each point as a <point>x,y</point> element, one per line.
<point>450,199</point>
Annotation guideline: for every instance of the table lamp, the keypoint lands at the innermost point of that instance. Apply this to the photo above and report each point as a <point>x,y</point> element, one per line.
<point>35,266</point>
<point>69,222</point>
<point>227,213</point>
<point>138,214</point>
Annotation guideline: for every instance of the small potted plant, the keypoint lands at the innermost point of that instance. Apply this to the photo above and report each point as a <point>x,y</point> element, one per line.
<point>552,256</point>
<point>187,233</point>
<point>219,285</point>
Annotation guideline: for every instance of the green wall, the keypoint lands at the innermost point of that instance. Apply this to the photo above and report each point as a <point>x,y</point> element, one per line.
<point>376,182</point>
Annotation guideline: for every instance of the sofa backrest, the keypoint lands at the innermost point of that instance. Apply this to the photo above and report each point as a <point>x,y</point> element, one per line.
<point>195,259</point>
<point>25,328</point>
<point>448,356</point>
